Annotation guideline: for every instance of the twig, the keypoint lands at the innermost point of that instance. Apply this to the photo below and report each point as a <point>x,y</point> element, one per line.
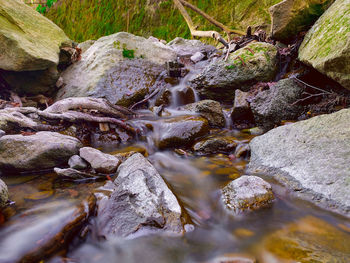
<point>310,86</point>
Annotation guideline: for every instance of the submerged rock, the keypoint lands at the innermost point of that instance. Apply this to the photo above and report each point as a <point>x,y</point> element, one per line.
<point>326,47</point>
<point>278,103</point>
<point>210,110</point>
<point>4,194</point>
<point>310,157</point>
<point>42,150</point>
<point>243,68</point>
<point>122,68</point>
<point>216,145</point>
<point>179,131</point>
<point>140,203</point>
<point>308,240</point>
<point>247,193</point>
<point>72,173</point>
<point>290,17</point>
<point>99,161</point>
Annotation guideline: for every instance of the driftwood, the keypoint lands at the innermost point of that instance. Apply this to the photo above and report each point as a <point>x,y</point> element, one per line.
<point>197,33</point>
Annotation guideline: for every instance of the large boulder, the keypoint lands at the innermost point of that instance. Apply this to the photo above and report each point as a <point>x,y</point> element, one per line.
<point>28,40</point>
<point>310,157</point>
<point>140,203</point>
<point>42,150</point>
<point>326,47</point>
<point>290,17</point>
<point>187,47</point>
<point>243,68</point>
<point>277,103</point>
<point>122,68</point>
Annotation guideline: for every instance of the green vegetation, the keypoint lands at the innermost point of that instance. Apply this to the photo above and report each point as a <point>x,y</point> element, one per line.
<point>91,19</point>
<point>128,53</point>
<point>42,9</point>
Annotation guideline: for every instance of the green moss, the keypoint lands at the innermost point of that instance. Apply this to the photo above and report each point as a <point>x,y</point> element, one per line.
<point>128,53</point>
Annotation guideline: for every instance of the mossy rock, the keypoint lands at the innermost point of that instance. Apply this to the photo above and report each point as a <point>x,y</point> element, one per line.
<point>326,46</point>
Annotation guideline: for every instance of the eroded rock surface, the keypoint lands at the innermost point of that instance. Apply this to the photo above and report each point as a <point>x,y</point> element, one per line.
<point>99,161</point>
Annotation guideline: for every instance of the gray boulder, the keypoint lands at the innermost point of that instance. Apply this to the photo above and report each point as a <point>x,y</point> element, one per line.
<point>216,144</point>
<point>140,203</point>
<point>4,194</point>
<point>247,193</point>
<point>187,47</point>
<point>310,157</point>
<point>99,161</point>
<point>42,150</point>
<point>2,133</point>
<point>122,68</point>
<point>243,68</point>
<point>326,47</point>
<point>241,110</point>
<point>76,162</point>
<point>210,110</point>
<point>278,103</point>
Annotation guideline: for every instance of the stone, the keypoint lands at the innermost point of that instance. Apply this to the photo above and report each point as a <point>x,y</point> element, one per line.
<point>210,110</point>
<point>247,193</point>
<point>72,173</point>
<point>4,194</point>
<point>326,47</point>
<point>256,62</point>
<point>86,45</point>
<point>309,239</point>
<point>198,56</point>
<point>241,108</point>
<point>2,133</point>
<point>122,68</point>
<point>233,258</point>
<point>179,131</point>
<point>271,106</point>
<point>99,161</point>
<point>76,162</point>
<point>290,17</point>
<point>215,144</point>
<point>140,203</point>
<point>42,150</point>
<point>309,157</point>
<point>189,47</point>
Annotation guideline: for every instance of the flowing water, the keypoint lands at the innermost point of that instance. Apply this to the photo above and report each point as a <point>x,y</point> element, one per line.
<point>48,210</point>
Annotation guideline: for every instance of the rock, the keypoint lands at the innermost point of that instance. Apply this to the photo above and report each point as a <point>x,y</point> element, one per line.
<point>42,150</point>
<point>326,47</point>
<point>4,194</point>
<point>2,133</point>
<point>10,120</point>
<point>243,68</point>
<point>44,230</point>
<point>99,161</point>
<point>179,131</point>
<point>29,41</point>
<point>122,68</point>
<point>233,258</point>
<point>140,203</point>
<point>290,17</point>
<point>76,162</point>
<point>310,157</point>
<point>186,47</point>
<point>86,45</point>
<point>308,240</point>
<point>241,108</point>
<point>210,110</point>
<point>198,56</point>
<point>72,173</point>
<point>216,144</point>
<point>247,193</point>
<point>271,106</point>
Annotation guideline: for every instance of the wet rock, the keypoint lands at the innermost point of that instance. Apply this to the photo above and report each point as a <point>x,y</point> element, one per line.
<point>242,150</point>
<point>42,150</point>
<point>271,106</point>
<point>122,68</point>
<point>326,47</point>
<point>86,45</point>
<point>2,133</point>
<point>4,194</point>
<point>310,157</point>
<point>241,108</point>
<point>233,258</point>
<point>140,203</point>
<point>308,240</point>
<point>187,47</point>
<point>21,47</point>
<point>247,193</point>
<point>180,131</point>
<point>72,173</point>
<point>76,162</point>
<point>290,17</point>
<point>216,145</point>
<point>243,68</point>
<point>198,56</point>
<point>99,161</point>
<point>210,110</point>
<point>40,232</point>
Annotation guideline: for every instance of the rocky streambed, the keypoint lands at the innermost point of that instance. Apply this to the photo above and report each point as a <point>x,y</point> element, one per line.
<point>179,152</point>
